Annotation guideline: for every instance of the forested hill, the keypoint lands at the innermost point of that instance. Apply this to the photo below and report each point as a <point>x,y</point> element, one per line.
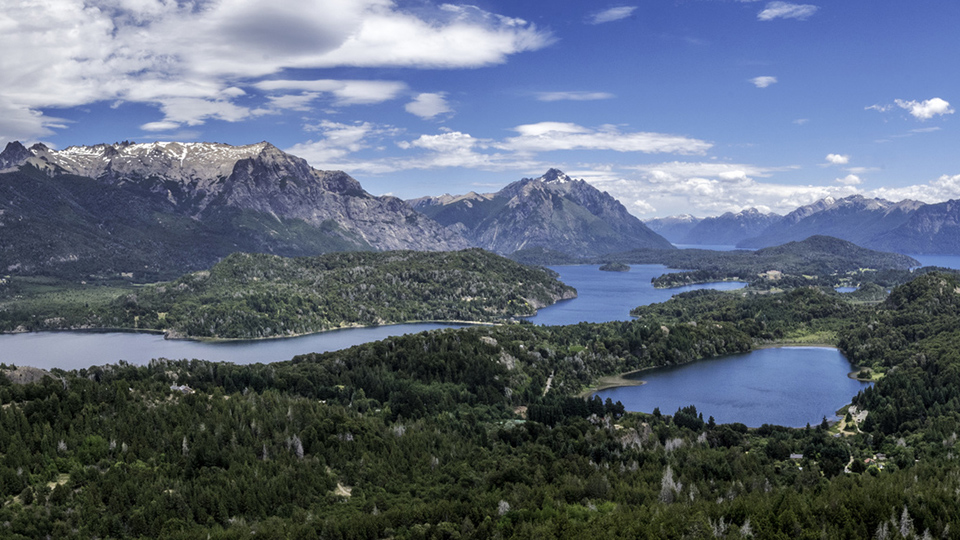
<point>448,434</point>
<point>250,296</point>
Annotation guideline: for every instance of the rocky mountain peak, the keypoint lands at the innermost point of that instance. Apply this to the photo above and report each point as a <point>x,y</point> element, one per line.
<point>13,155</point>
<point>555,176</point>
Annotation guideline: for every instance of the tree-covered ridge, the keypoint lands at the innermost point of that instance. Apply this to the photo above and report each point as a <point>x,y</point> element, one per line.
<point>422,436</point>
<point>257,296</point>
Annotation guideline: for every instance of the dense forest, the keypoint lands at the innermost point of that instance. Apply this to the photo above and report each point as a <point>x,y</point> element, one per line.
<point>255,296</point>
<point>454,434</point>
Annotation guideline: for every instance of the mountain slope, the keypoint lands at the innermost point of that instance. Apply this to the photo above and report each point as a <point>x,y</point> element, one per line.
<point>673,228</point>
<point>855,218</point>
<point>553,212</point>
<point>931,229</point>
<point>161,209</point>
<point>730,228</point>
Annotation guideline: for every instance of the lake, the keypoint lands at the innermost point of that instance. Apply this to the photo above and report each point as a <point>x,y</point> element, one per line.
<point>946,261</point>
<point>603,296</point>
<point>609,296</point>
<point>787,386</point>
<point>75,350</point>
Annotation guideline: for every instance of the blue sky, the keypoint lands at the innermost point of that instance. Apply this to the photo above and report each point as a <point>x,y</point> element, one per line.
<point>672,106</point>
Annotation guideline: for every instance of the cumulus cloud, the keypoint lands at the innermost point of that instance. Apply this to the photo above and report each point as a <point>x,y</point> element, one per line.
<point>338,141</point>
<point>944,188</point>
<point>706,188</point>
<point>428,105</point>
<point>786,10</point>
<point>850,180</point>
<point>612,14</point>
<point>573,96</point>
<point>763,82</point>
<point>176,55</point>
<point>925,110</point>
<point>838,159</point>
<point>549,136</point>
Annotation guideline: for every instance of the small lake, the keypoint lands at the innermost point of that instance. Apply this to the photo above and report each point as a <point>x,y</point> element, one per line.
<point>609,296</point>
<point>787,386</point>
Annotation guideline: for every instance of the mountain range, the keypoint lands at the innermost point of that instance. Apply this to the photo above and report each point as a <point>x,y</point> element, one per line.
<point>727,229</point>
<point>553,212</point>
<point>907,226</point>
<point>160,209</point>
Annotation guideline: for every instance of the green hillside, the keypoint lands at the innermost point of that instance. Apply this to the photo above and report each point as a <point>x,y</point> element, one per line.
<point>247,296</point>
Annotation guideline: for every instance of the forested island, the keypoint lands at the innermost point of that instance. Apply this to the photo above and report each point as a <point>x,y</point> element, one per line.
<point>614,267</point>
<point>450,434</point>
<point>249,296</point>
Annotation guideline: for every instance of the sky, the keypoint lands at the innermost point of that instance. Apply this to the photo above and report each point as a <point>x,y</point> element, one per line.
<point>672,106</point>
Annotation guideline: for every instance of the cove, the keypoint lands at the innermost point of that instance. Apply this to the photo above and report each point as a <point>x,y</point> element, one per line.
<point>787,386</point>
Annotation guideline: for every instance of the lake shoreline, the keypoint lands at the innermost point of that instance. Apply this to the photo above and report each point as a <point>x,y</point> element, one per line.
<point>170,336</point>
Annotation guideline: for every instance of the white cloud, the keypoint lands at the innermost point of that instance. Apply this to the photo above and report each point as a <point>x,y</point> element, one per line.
<point>160,126</point>
<point>612,14</point>
<point>338,141</point>
<point>163,52</point>
<point>763,82</point>
<point>925,110</point>
<point>786,10</point>
<point>850,180</point>
<point>573,96</point>
<point>428,105</point>
<point>705,188</point>
<point>549,136</point>
<point>944,188</point>
<point>294,102</point>
<point>878,108</point>
<point>345,92</point>
<point>838,159</point>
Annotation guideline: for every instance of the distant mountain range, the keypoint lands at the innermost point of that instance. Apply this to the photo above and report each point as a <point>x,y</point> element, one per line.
<point>907,226</point>
<point>727,229</point>
<point>157,210</point>
<point>553,212</point>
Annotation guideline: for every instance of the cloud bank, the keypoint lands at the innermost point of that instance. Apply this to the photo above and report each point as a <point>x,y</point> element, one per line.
<point>187,58</point>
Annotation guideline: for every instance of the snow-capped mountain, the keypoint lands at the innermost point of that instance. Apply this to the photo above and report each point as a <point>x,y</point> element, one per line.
<point>252,197</point>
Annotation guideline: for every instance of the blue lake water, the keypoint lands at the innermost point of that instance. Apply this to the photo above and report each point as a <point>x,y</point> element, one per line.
<point>609,296</point>
<point>946,261</point>
<point>788,386</point>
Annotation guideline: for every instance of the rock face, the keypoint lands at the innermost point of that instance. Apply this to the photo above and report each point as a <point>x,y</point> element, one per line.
<point>855,218</point>
<point>730,228</point>
<point>931,229</point>
<point>252,197</point>
<point>553,211</point>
